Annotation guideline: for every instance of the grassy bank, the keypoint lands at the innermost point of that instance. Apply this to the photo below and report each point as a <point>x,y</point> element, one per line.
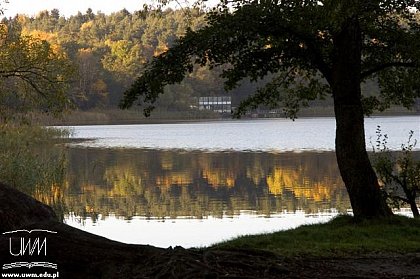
<point>339,237</point>
<point>31,163</point>
<point>28,158</point>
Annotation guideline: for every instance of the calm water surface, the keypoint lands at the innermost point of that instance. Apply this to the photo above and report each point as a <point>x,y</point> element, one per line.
<point>194,184</point>
<point>270,135</point>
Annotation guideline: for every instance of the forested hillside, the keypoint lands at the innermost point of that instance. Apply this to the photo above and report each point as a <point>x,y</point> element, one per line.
<point>103,54</point>
<point>108,52</point>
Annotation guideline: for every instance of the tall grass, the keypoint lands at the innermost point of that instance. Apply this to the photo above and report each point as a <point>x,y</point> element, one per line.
<point>31,163</point>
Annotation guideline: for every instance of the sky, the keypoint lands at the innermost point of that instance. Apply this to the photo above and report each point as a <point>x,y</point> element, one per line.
<point>69,7</point>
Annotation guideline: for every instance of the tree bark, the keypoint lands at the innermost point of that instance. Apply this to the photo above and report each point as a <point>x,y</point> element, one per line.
<point>411,196</point>
<point>414,209</point>
<point>356,170</point>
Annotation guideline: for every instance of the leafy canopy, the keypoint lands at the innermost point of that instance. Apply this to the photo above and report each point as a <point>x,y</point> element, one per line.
<point>295,42</point>
<point>32,71</point>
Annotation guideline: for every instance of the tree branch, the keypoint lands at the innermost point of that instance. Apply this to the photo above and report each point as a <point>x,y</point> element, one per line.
<point>384,66</point>
<point>34,86</point>
<point>25,73</point>
<point>315,53</point>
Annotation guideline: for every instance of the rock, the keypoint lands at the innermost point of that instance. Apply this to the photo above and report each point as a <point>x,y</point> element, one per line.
<point>78,254</point>
<point>18,210</point>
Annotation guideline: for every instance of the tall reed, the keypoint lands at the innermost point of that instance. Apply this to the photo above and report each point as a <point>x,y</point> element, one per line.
<point>31,163</point>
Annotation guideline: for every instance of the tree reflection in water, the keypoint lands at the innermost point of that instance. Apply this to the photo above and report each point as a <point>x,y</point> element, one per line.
<point>160,184</point>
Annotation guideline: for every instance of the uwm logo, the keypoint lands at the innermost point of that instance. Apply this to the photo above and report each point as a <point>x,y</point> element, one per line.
<point>28,246</point>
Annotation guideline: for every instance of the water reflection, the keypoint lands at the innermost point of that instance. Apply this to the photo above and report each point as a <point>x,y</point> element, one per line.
<point>170,184</point>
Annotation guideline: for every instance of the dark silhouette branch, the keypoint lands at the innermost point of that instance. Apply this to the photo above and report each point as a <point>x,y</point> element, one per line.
<point>384,66</point>
<point>315,54</point>
<point>34,86</point>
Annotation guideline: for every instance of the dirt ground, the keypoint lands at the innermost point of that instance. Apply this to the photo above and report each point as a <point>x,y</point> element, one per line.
<point>82,255</point>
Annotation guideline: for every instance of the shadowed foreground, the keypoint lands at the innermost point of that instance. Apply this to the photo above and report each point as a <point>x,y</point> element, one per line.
<point>83,255</point>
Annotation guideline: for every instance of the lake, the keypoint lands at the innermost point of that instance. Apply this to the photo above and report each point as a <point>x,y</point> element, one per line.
<point>268,135</point>
<point>195,184</point>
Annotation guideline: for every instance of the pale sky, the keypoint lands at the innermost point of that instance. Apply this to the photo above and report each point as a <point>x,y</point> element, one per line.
<point>70,7</point>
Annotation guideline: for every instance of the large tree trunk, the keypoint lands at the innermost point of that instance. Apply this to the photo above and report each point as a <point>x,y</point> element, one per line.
<point>353,161</point>
<point>414,209</point>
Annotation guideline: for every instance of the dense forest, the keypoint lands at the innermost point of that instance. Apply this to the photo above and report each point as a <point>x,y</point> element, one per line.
<point>98,56</point>
<point>107,52</point>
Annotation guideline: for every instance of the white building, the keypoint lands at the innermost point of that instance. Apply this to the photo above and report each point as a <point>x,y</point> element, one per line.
<point>220,104</point>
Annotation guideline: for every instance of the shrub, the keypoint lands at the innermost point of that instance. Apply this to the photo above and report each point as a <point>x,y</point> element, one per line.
<point>398,172</point>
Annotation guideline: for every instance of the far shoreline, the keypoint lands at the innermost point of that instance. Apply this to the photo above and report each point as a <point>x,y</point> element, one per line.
<point>133,117</point>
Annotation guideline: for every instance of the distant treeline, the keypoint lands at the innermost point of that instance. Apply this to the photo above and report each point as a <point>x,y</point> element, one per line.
<point>110,51</point>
